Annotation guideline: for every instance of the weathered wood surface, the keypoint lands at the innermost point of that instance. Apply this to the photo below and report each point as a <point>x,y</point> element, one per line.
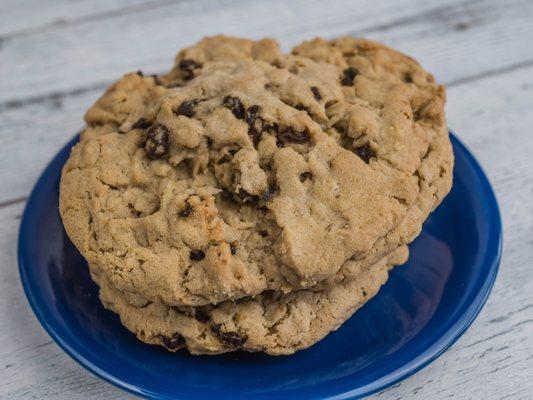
<point>56,57</point>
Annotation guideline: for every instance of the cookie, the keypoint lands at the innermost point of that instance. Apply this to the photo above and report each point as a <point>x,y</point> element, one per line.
<point>245,170</point>
<point>274,323</point>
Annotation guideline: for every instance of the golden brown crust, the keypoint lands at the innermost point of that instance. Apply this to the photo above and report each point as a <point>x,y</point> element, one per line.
<point>177,191</point>
<point>273,323</point>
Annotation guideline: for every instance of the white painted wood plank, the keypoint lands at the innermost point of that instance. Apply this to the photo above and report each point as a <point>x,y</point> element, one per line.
<point>494,359</point>
<point>31,136</point>
<point>31,365</point>
<point>23,17</point>
<point>453,40</point>
<point>101,51</point>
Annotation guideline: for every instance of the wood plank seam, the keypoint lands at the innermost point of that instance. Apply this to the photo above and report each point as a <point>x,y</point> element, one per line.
<point>13,201</point>
<point>491,73</point>
<point>59,96</point>
<point>55,96</point>
<point>440,12</point>
<point>98,16</point>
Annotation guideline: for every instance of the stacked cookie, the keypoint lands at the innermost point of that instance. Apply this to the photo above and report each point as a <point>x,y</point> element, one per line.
<point>250,199</point>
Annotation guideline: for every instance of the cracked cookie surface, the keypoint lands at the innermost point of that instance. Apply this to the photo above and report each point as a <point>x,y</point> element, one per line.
<point>244,169</point>
<point>274,323</point>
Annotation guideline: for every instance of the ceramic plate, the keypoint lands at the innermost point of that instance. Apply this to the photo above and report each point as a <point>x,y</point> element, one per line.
<point>424,307</point>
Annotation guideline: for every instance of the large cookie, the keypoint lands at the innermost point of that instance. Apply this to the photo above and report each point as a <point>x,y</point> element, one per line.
<point>262,171</point>
<point>271,322</point>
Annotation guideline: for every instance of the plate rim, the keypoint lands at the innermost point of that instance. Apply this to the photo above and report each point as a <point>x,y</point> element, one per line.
<point>444,339</point>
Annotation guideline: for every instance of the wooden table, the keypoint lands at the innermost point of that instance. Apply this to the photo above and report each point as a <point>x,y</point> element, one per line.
<point>56,57</point>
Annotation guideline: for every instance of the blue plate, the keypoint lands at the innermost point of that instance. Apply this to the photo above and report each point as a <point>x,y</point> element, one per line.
<point>425,306</point>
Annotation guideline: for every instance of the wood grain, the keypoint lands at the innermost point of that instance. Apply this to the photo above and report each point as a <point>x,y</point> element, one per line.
<point>482,49</point>
<point>32,366</point>
<point>30,17</point>
<point>90,50</point>
<point>494,359</point>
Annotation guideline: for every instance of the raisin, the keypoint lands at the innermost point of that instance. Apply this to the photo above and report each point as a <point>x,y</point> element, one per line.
<point>157,81</point>
<point>226,195</point>
<point>201,315</point>
<point>244,197</point>
<point>244,299</point>
<point>250,113</point>
<point>187,210</point>
<point>157,142</point>
<point>270,193</point>
<point>173,85</point>
<point>174,342</point>
<point>305,176</point>
<point>289,135</point>
<point>188,67</point>
<point>263,233</point>
<point>348,76</point>
<point>364,292</point>
<point>235,106</point>
<point>407,77</point>
<point>233,247</point>
<point>140,73</point>
<point>231,338</point>
<point>316,93</point>
<point>255,123</point>
<point>365,152</point>
<point>188,108</point>
<point>255,131</point>
<point>135,213</point>
<point>274,128</point>
<point>141,124</point>
<point>196,255</point>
